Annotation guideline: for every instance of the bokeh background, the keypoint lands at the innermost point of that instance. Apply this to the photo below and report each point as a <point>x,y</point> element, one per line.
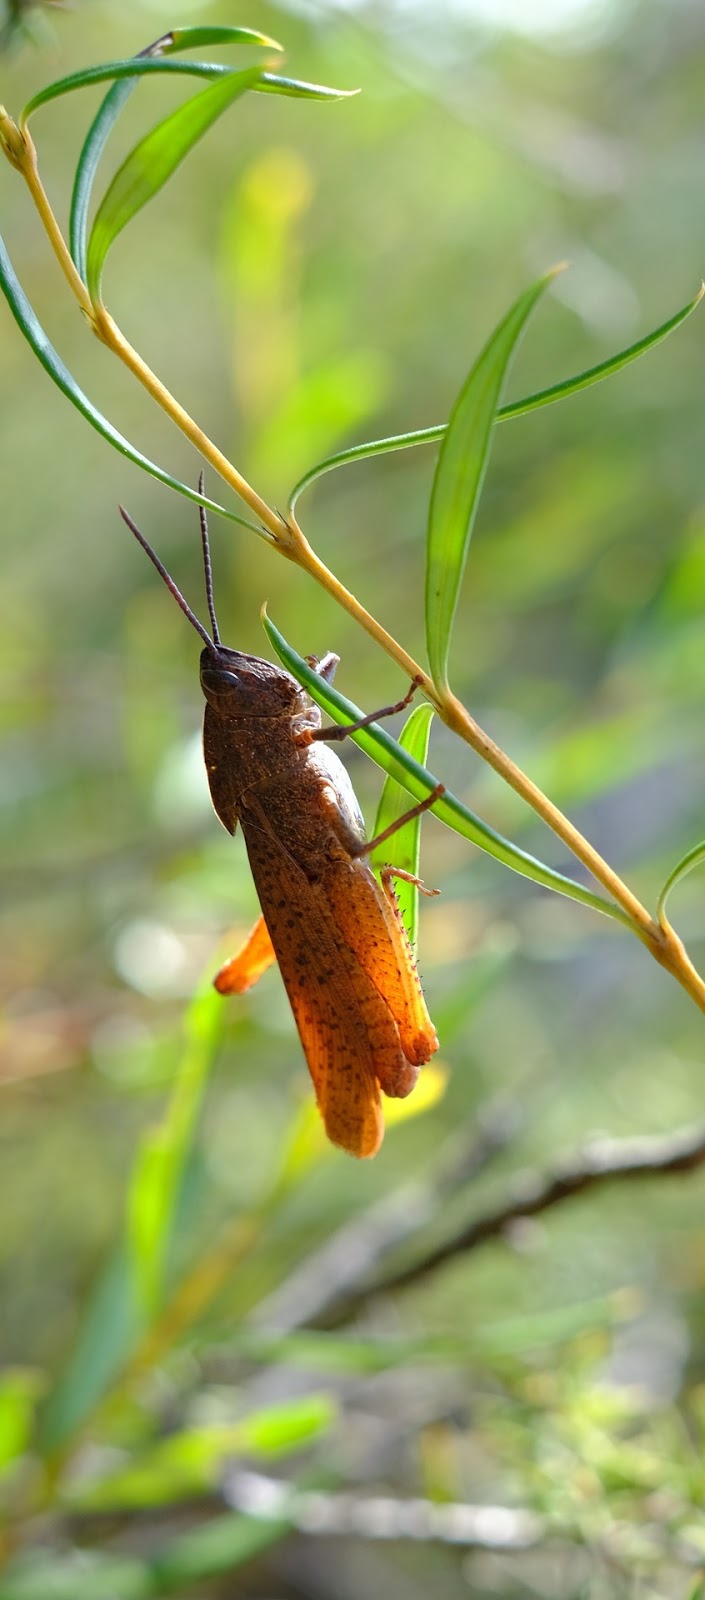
<point>312,276</point>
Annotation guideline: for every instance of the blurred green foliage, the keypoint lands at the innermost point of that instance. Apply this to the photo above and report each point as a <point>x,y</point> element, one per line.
<point>314,275</point>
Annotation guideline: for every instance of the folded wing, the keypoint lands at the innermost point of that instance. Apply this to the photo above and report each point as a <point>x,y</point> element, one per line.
<point>348,1031</point>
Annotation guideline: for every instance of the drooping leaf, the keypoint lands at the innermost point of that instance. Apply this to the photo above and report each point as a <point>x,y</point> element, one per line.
<point>44,350</point>
<point>145,66</point>
<point>153,160</point>
<point>419,782</point>
<point>516,408</point>
<point>299,89</point>
<point>151,163</point>
<point>458,478</point>
<point>404,846</point>
<point>110,108</point>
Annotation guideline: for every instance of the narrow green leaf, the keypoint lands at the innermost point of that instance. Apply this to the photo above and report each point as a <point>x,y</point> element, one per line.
<point>159,1166</point>
<point>417,781</point>
<point>457,482</point>
<point>273,83</point>
<point>191,1461</point>
<point>276,1430</point>
<point>144,66</point>
<point>109,111</point>
<point>89,158</point>
<point>20,1388</point>
<point>128,67</point>
<point>124,76</point>
<point>192,38</point>
<point>108,1331</point>
<point>129,1287</point>
<point>151,163</point>
<point>693,858</point>
<point>218,1546</point>
<point>404,847</point>
<point>77,1575</point>
<point>34,333</point>
<point>111,108</point>
<point>516,408</point>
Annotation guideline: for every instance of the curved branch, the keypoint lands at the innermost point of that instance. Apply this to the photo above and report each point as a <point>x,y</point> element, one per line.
<point>602,1161</point>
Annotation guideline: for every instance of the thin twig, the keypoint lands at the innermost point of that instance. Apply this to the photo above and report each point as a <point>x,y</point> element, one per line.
<point>601,1162</point>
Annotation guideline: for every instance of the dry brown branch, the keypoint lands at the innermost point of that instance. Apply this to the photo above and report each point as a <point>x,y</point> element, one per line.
<point>600,1162</point>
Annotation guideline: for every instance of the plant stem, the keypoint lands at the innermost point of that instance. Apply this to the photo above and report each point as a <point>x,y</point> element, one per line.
<point>289,540</point>
<point>26,162</point>
<point>459,720</point>
<point>528,1194</point>
<point>659,938</point>
<point>274,527</point>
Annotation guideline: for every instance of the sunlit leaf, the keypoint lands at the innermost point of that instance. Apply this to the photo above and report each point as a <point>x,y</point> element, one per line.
<point>159,1166</point>
<point>458,480</point>
<point>124,76</point>
<point>415,778</point>
<point>300,89</point>
<point>44,350</point>
<point>516,408</point>
<point>429,1091</point>
<point>145,66</point>
<point>190,1462</point>
<point>405,843</point>
<point>151,163</point>
<point>692,859</point>
<point>20,1388</point>
<point>116,98</point>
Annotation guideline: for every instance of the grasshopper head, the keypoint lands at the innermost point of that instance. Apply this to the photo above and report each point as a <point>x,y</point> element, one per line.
<point>236,685</point>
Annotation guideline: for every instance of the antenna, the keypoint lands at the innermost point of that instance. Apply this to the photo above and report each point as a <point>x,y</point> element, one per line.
<point>207,568</point>
<point>169,581</point>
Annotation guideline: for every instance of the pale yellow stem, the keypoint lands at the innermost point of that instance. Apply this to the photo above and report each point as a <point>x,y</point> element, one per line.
<point>673,955</point>
<point>659,938</point>
<point>24,157</point>
<point>110,334</point>
<point>290,541</point>
<point>456,717</point>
